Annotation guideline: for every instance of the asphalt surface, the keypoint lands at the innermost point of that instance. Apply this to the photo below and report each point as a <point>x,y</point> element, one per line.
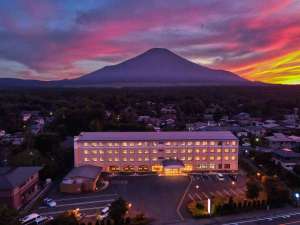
<point>208,186</point>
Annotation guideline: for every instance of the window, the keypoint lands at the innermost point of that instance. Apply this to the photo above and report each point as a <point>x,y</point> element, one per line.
<point>226,166</point>
<point>85,144</point>
<point>233,150</point>
<point>116,159</point>
<point>204,143</point>
<point>190,158</point>
<point>226,158</point>
<point>232,157</point>
<point>168,151</point>
<point>197,158</point>
<point>140,151</point>
<point>131,151</point>
<point>124,144</point>
<point>226,150</point>
<point>86,159</point>
<point>116,151</point>
<point>197,150</point>
<point>168,143</point>
<point>183,151</point>
<point>182,158</point>
<point>95,159</point>
<point>197,142</point>
<point>94,151</point>
<point>146,159</point>
<point>190,143</point>
<point>174,151</point>
<point>124,159</point>
<point>109,144</point>
<point>154,159</point>
<point>86,152</point>
<point>203,158</point>
<point>211,158</point>
<point>101,151</point>
<point>101,159</point>
<point>220,166</point>
<point>116,144</point>
<point>190,150</point>
<point>131,144</point>
<point>204,150</point>
<point>140,144</point>
<point>154,151</point>
<point>212,150</point>
<point>233,143</point>
<point>94,144</point>
<point>212,143</point>
<point>109,151</point>
<point>219,158</point>
<point>219,150</point>
<point>131,159</point>
<point>139,159</point>
<point>110,159</point>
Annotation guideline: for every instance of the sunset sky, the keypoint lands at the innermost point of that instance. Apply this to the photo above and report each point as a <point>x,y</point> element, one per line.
<point>59,39</point>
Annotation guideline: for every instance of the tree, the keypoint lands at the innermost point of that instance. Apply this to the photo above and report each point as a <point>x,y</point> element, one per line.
<point>67,218</point>
<point>8,216</point>
<point>118,210</point>
<point>253,189</point>
<point>277,193</point>
<point>297,169</point>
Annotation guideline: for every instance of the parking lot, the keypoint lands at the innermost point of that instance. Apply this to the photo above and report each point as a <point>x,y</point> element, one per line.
<point>209,186</point>
<point>156,197</point>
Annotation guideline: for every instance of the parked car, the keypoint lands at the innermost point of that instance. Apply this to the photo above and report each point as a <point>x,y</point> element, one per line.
<point>29,218</point>
<point>220,176</point>
<point>43,219</point>
<point>49,202</point>
<point>104,212</point>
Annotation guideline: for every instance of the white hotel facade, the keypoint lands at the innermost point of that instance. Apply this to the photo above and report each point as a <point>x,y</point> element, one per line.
<point>170,153</point>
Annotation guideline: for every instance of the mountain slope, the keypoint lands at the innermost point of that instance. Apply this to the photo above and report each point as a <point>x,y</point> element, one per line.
<point>160,66</point>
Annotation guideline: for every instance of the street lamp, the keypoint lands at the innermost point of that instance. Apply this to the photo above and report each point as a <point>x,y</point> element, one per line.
<point>233,183</point>
<point>197,187</point>
<point>297,196</point>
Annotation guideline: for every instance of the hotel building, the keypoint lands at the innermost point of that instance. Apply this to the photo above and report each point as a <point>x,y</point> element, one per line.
<point>170,153</point>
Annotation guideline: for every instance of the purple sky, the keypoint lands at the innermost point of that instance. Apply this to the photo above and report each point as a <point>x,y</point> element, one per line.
<point>55,39</point>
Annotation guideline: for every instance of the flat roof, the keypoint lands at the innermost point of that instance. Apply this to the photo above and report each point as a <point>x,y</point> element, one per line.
<point>159,136</point>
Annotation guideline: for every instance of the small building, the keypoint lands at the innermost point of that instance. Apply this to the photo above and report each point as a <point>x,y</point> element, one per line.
<point>287,158</point>
<point>81,179</point>
<point>279,140</point>
<point>18,185</point>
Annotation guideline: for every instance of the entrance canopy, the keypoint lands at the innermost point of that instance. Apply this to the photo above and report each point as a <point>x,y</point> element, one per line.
<point>172,164</point>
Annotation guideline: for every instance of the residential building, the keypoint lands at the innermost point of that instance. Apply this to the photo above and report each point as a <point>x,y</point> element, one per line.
<point>286,158</point>
<point>18,185</point>
<point>151,151</point>
<point>280,140</point>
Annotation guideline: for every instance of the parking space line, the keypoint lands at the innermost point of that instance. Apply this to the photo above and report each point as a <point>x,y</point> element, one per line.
<point>62,211</point>
<point>191,197</point>
<point>95,196</point>
<point>205,195</point>
<point>198,196</point>
<point>226,192</point>
<point>80,203</point>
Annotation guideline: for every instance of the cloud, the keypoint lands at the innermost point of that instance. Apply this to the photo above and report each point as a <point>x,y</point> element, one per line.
<point>59,39</point>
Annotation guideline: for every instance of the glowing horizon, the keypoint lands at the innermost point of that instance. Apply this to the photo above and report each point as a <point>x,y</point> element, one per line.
<point>53,39</point>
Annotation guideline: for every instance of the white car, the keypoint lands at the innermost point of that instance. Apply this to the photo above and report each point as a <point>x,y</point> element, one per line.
<point>43,219</point>
<point>220,176</point>
<point>29,218</point>
<point>104,212</point>
<point>49,202</point>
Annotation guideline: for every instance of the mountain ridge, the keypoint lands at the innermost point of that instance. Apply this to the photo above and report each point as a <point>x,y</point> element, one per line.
<point>155,66</point>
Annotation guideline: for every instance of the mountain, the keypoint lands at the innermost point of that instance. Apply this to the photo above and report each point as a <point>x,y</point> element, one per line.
<point>155,67</point>
<point>160,66</point>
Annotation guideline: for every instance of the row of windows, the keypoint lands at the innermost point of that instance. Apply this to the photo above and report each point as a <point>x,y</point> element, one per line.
<point>151,143</point>
<point>132,151</point>
<point>140,159</point>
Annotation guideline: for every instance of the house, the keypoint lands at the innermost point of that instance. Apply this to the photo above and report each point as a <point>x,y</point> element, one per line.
<point>2,133</point>
<point>258,131</point>
<point>195,126</point>
<point>143,119</point>
<point>279,140</point>
<point>18,185</point>
<point>286,158</point>
<point>168,110</point>
<point>26,115</point>
<point>81,179</point>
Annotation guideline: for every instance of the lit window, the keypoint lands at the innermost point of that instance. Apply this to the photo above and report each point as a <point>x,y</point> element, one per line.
<point>212,150</point>
<point>125,151</point>
<point>212,143</point>
<point>154,159</point>
<point>101,159</point>
<point>124,159</point>
<point>131,151</point>
<point>116,159</point>
<point>139,159</point>
<point>190,150</point>
<point>154,151</point>
<point>86,144</point>
<point>233,142</point>
<point>94,151</point>
<point>204,143</point>
<point>219,158</point>
<point>100,144</point>
<point>86,159</point>
<point>94,159</point>
<point>182,158</point>
<point>233,150</point>
<point>226,150</point>
<point>131,159</point>
<point>109,144</point>
<point>110,159</point>
<point>174,151</point>
<point>140,144</point>
<point>219,150</point>
<point>94,144</point>
<point>211,158</point>
<point>101,151</point>
<point>109,151</point>
<point>124,144</point>
<point>183,143</point>
<point>168,143</point>
<point>190,143</point>
<point>183,151</point>
<point>197,142</point>
<point>146,151</point>
<point>197,158</point>
<point>168,151</point>
<point>86,152</point>
<point>226,158</point>
<point>197,150</point>
<point>232,157</point>
<point>146,159</point>
<point>190,158</point>
<point>116,144</point>
<point>116,151</point>
<point>131,144</point>
<point>204,150</point>
<point>203,158</point>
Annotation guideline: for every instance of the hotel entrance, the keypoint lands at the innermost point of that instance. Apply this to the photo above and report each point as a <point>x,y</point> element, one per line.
<point>172,167</point>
